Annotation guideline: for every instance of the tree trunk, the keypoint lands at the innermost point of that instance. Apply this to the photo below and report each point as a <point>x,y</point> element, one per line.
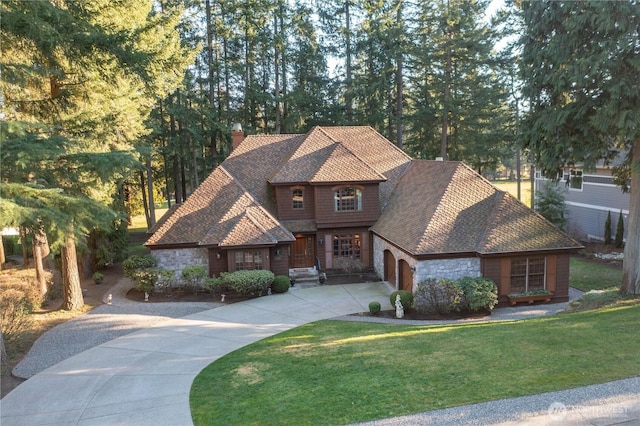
<point>2,255</point>
<point>399,77</point>
<point>151,200</point>
<point>145,204</point>
<point>40,251</point>
<point>444,143</point>
<point>276,75</point>
<point>631,264</point>
<point>25,251</point>
<point>3,351</point>
<point>71,290</point>
<point>349,89</point>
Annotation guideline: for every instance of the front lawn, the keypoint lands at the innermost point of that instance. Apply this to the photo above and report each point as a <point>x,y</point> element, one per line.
<point>587,276</point>
<point>334,372</point>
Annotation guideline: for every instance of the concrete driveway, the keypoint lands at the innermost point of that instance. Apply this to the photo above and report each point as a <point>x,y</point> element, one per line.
<point>144,378</point>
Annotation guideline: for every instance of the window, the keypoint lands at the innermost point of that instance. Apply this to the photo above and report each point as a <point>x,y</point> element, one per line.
<point>297,197</point>
<point>347,246</point>
<point>527,274</point>
<point>348,199</point>
<point>248,260</point>
<point>574,179</point>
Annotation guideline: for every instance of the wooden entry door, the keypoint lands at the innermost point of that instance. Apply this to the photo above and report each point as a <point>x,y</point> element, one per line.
<point>302,252</point>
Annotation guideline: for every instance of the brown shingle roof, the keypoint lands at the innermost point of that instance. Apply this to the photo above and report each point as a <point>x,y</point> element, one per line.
<point>429,207</point>
<point>516,228</point>
<point>220,212</point>
<point>257,158</point>
<point>441,207</point>
<point>322,159</point>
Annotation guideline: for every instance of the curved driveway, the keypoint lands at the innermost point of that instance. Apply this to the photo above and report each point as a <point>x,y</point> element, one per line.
<point>144,378</point>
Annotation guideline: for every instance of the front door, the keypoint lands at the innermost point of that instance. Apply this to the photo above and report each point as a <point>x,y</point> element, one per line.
<point>302,252</point>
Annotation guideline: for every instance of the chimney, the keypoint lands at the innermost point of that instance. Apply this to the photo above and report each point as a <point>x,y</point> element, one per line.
<point>237,135</point>
<point>439,159</point>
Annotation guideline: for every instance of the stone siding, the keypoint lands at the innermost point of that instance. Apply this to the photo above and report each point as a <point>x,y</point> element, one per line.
<point>448,268</point>
<point>437,268</point>
<point>178,259</point>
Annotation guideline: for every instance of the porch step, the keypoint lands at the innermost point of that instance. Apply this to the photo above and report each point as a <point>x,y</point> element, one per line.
<point>304,277</point>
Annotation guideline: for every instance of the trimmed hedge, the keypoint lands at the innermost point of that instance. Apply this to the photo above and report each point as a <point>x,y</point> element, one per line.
<point>374,307</point>
<point>281,284</point>
<point>406,299</point>
<point>247,283</point>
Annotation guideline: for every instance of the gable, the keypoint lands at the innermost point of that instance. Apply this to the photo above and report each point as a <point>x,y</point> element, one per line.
<point>220,212</point>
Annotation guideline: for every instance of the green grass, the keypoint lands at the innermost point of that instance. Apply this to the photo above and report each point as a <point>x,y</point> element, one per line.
<point>587,276</point>
<point>333,372</point>
<point>512,188</point>
<point>139,223</point>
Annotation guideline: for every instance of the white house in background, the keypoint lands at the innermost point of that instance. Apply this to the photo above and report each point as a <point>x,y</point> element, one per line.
<point>589,197</point>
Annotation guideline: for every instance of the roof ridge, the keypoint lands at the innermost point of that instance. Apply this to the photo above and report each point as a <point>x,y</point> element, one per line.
<point>439,207</point>
<point>396,147</point>
<point>255,221</point>
<point>251,197</point>
<point>339,145</point>
<point>491,219</point>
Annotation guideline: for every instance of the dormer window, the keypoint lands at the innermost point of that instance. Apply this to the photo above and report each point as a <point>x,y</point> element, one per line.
<point>297,198</point>
<point>347,199</point>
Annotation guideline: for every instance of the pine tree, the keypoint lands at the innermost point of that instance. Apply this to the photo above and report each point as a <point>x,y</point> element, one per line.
<point>607,229</point>
<point>580,68</point>
<point>619,241</point>
<point>79,81</point>
<point>550,203</point>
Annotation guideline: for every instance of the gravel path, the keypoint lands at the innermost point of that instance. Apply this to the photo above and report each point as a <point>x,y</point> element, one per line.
<point>612,403</point>
<point>102,324</point>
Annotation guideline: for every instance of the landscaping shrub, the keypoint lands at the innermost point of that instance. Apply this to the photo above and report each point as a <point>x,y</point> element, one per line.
<point>145,279</point>
<point>137,263</point>
<point>194,275</point>
<point>406,299</point>
<point>141,269</point>
<point>23,281</point>
<point>15,308</point>
<point>281,284</point>
<point>247,283</point>
<point>440,296</point>
<point>374,307</point>
<point>214,285</point>
<point>478,293</point>
<point>166,278</point>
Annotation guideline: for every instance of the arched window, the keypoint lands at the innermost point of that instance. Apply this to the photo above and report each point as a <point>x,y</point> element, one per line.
<point>347,199</point>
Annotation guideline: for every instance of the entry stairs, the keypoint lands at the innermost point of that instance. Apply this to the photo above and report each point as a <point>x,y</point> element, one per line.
<point>305,277</point>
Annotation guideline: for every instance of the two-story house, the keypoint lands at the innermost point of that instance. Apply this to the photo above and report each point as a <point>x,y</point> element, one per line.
<point>590,195</point>
<point>280,202</point>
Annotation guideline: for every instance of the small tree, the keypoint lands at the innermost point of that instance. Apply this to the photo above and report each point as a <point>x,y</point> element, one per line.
<point>607,229</point>
<point>550,204</point>
<point>619,241</point>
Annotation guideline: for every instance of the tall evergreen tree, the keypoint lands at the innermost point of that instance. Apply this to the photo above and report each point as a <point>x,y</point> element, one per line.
<point>79,80</point>
<point>457,103</point>
<point>580,67</point>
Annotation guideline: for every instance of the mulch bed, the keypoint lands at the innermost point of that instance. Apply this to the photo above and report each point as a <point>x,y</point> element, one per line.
<point>412,314</point>
<point>180,295</point>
